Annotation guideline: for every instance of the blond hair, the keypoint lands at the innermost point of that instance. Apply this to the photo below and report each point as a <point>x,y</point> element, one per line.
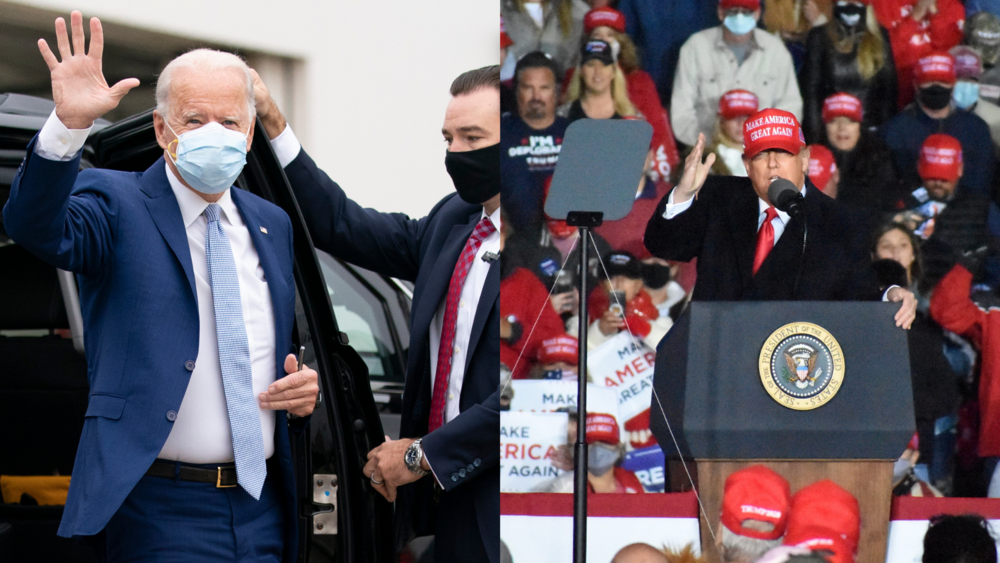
<point>619,91</point>
<point>871,46</point>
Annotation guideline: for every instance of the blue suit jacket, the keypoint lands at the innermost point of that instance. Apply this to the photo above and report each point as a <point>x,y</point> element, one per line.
<point>123,234</point>
<point>465,452</point>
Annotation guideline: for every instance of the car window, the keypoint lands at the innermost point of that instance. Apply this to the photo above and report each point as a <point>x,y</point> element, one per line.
<point>364,316</point>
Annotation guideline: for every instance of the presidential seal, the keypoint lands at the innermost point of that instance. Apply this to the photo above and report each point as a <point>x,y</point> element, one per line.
<point>801,366</point>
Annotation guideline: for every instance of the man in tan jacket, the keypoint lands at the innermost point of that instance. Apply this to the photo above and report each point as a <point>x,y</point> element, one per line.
<point>734,55</point>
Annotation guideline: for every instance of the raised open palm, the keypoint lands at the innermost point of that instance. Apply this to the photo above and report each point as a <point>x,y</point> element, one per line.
<point>79,89</point>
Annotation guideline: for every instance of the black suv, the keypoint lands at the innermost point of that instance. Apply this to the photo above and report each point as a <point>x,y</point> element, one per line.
<point>43,374</point>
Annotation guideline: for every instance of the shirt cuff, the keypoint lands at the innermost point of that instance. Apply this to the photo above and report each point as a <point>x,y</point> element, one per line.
<point>885,294</point>
<point>673,209</point>
<point>286,146</point>
<point>433,474</point>
<point>58,142</point>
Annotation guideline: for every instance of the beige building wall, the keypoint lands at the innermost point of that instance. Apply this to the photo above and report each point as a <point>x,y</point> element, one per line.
<point>364,83</point>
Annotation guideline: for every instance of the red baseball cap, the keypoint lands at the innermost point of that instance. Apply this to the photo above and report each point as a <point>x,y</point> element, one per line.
<point>602,427</point>
<point>605,16</point>
<point>940,158</point>
<point>736,103</point>
<point>968,63</point>
<point>824,539</point>
<point>755,493</point>
<point>842,105</point>
<point>562,348</point>
<point>822,165</point>
<point>772,129</point>
<point>936,67</point>
<point>747,4</point>
<point>505,40</point>
<point>825,505</point>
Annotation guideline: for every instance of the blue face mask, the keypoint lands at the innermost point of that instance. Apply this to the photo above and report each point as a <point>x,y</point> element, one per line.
<point>965,94</point>
<point>740,23</point>
<point>211,157</point>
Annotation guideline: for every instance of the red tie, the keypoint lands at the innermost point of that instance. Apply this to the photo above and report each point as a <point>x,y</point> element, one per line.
<point>765,239</point>
<point>443,373</point>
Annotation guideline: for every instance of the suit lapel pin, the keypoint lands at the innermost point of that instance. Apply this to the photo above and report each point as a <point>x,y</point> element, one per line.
<point>263,230</point>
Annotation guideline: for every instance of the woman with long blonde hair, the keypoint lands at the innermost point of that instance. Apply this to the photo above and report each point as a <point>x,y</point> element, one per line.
<point>850,54</point>
<point>598,89</point>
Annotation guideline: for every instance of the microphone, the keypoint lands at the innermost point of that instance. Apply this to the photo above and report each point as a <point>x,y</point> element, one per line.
<point>785,197</point>
<point>490,257</point>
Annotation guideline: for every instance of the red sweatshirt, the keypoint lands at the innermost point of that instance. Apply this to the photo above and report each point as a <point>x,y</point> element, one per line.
<point>912,40</point>
<point>523,296</point>
<point>952,308</point>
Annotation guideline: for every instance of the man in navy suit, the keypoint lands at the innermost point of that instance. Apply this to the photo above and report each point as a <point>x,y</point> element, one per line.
<point>445,468</point>
<point>188,298</point>
<point>749,250</point>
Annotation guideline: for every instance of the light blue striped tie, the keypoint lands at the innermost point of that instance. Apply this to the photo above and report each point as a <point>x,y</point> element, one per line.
<point>234,356</point>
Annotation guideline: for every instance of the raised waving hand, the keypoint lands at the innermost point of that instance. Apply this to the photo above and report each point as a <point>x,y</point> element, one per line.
<point>79,89</point>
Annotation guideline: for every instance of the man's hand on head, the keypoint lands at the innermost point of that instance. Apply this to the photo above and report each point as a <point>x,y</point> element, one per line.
<point>295,393</point>
<point>79,89</point>
<point>387,470</point>
<point>267,109</point>
<point>908,310</point>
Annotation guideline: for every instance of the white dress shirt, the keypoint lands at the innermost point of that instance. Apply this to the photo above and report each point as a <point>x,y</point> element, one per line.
<point>779,222</point>
<point>286,147</point>
<point>201,431</point>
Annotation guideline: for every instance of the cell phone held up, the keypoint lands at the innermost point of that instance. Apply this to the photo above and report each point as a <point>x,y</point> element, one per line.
<point>616,302</point>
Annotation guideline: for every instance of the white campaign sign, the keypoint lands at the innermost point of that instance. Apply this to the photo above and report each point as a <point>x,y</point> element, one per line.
<point>527,442</point>
<point>546,395</point>
<point>626,366</point>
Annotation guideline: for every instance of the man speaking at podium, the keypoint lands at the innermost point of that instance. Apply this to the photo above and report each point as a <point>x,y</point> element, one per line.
<point>747,249</point>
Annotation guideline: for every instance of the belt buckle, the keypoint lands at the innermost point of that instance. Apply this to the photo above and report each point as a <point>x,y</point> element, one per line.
<point>218,480</point>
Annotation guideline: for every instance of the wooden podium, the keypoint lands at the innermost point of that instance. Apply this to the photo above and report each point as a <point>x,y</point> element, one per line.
<point>725,386</point>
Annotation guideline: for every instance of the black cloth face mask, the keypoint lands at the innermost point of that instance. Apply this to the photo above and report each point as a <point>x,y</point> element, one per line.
<point>476,174</point>
<point>655,276</point>
<point>934,97</point>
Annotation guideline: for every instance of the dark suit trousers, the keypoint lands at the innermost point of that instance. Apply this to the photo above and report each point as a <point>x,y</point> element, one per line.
<point>168,520</point>
<point>457,536</point>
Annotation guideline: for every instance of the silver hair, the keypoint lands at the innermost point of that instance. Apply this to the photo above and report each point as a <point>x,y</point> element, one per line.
<point>203,59</point>
<point>741,549</point>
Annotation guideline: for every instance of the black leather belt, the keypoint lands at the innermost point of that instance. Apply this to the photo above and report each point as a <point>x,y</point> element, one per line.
<point>223,476</point>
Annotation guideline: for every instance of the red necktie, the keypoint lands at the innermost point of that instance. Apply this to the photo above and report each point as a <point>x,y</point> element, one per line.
<point>765,239</point>
<point>443,373</point>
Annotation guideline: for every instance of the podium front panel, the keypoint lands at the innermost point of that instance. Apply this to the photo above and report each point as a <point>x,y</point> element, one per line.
<point>708,382</point>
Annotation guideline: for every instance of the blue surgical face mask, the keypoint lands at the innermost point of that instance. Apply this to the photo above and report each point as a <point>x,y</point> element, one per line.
<point>740,23</point>
<point>965,94</point>
<point>211,157</point>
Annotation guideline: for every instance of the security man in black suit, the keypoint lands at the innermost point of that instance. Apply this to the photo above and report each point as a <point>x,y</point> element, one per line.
<point>749,250</point>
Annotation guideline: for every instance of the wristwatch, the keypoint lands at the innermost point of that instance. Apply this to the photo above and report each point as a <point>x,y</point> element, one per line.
<point>413,457</point>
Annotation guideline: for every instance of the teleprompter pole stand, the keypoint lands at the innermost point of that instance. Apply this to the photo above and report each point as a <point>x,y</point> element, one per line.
<point>585,221</point>
<point>600,164</point>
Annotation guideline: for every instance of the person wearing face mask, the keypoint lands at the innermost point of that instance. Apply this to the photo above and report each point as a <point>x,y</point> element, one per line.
<point>451,407</point>
<point>604,456</point>
<point>918,28</point>
<point>791,20</point>
<point>162,258</point>
<point>664,292</point>
<point>749,250</point>
<point>966,96</point>
<point>867,180</point>
<point>851,54</point>
<point>982,32</point>
<point>734,55</point>
<point>933,112</point>
<point>619,303</point>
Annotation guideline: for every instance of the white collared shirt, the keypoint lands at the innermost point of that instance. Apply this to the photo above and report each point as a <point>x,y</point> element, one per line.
<point>201,431</point>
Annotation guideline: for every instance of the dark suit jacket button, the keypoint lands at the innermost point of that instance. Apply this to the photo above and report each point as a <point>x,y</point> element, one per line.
<point>454,476</point>
<point>189,365</point>
<point>171,415</point>
<point>461,473</point>
<point>476,462</point>
<point>471,468</point>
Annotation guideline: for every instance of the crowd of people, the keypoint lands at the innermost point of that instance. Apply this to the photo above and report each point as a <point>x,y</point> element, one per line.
<point>898,102</point>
